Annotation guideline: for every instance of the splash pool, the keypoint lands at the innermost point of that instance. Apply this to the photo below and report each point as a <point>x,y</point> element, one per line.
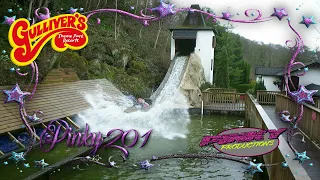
<point>166,169</point>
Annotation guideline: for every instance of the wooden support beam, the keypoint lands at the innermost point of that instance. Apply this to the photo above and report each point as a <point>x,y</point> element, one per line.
<point>37,137</point>
<point>64,128</point>
<point>1,153</point>
<point>72,122</point>
<point>15,140</point>
<point>45,127</point>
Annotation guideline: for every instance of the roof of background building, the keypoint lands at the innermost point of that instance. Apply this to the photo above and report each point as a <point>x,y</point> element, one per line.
<point>297,68</point>
<point>268,71</point>
<point>314,87</point>
<point>279,71</point>
<point>193,21</point>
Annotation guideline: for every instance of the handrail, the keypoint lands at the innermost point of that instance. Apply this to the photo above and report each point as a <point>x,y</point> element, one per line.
<point>258,118</point>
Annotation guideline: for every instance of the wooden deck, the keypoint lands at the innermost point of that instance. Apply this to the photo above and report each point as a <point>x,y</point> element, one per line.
<point>56,100</point>
<point>226,101</point>
<point>312,150</point>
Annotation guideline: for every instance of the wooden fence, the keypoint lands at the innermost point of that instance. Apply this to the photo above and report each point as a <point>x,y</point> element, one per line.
<point>258,118</point>
<point>317,103</point>
<point>310,122</point>
<point>267,97</point>
<point>224,101</point>
<point>220,90</point>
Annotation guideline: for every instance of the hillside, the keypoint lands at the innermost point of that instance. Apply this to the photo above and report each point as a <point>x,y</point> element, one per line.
<point>135,58</point>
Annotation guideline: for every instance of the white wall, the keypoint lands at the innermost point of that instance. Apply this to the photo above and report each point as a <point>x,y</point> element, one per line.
<point>205,51</point>
<point>312,76</point>
<point>268,82</point>
<point>173,46</point>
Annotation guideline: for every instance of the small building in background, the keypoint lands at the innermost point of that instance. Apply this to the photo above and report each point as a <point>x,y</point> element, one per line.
<point>193,36</point>
<point>273,77</point>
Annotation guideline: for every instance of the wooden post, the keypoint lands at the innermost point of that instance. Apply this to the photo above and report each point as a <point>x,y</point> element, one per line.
<point>15,140</point>
<point>64,128</point>
<point>44,126</point>
<point>72,122</point>
<point>201,107</point>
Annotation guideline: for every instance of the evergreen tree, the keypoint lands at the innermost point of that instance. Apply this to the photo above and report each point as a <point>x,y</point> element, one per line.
<point>222,70</point>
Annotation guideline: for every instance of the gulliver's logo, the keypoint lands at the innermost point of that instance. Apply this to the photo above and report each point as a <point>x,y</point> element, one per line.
<point>66,31</point>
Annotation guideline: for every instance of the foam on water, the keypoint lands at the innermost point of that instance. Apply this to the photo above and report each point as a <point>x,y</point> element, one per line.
<point>168,116</point>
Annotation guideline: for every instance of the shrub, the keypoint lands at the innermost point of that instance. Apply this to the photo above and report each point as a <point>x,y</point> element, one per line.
<point>242,88</point>
<point>253,84</point>
<point>205,86</point>
<point>259,86</point>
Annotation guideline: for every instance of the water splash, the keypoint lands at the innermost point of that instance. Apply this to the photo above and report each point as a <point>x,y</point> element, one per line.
<point>168,116</point>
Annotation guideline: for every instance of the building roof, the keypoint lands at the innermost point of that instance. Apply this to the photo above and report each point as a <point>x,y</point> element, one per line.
<point>314,87</point>
<point>298,68</point>
<point>279,71</point>
<point>268,71</point>
<point>56,101</point>
<point>180,34</point>
<point>193,21</point>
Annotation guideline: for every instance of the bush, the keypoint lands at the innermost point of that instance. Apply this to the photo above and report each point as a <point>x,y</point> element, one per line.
<point>259,86</point>
<point>205,86</point>
<point>253,84</point>
<point>242,88</point>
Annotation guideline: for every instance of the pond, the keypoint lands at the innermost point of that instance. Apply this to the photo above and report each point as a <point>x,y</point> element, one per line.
<point>170,168</point>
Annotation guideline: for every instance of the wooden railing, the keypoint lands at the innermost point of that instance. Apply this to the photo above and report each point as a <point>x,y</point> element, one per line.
<point>224,101</point>
<point>317,103</point>
<point>310,122</point>
<point>258,118</point>
<point>267,97</point>
<point>220,90</point>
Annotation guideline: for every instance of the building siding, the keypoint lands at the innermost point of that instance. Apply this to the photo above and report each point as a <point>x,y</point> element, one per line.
<point>268,82</point>
<point>312,76</point>
<point>205,51</point>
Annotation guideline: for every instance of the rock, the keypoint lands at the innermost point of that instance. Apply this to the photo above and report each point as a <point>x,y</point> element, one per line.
<point>192,80</point>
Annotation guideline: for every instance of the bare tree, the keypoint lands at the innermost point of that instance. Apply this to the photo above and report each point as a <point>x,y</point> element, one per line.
<point>46,3</point>
<point>145,12</point>
<point>158,34</point>
<point>165,47</point>
<point>105,3</point>
<point>135,9</point>
<point>40,4</point>
<point>30,8</point>
<point>98,4</point>
<point>88,5</point>
<point>115,22</point>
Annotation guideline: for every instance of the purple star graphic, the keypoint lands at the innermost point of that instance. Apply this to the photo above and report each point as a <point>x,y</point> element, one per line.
<point>280,13</point>
<point>307,21</point>
<point>15,94</point>
<point>303,95</point>
<point>9,20</point>
<point>226,15</point>
<point>164,9</point>
<point>72,10</point>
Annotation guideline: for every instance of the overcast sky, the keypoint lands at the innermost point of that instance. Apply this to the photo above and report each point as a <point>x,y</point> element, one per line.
<point>275,31</point>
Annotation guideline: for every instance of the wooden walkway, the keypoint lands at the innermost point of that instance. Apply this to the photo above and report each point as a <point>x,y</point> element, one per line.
<point>312,150</point>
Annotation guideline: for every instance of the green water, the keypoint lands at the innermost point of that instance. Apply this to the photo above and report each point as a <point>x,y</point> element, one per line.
<point>156,146</point>
<point>12,170</point>
<point>171,168</point>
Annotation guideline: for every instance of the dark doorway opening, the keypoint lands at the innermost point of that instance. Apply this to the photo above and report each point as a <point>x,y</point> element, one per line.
<point>292,86</point>
<point>185,46</point>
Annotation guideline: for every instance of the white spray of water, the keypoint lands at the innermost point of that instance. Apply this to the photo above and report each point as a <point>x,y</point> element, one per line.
<point>168,116</point>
